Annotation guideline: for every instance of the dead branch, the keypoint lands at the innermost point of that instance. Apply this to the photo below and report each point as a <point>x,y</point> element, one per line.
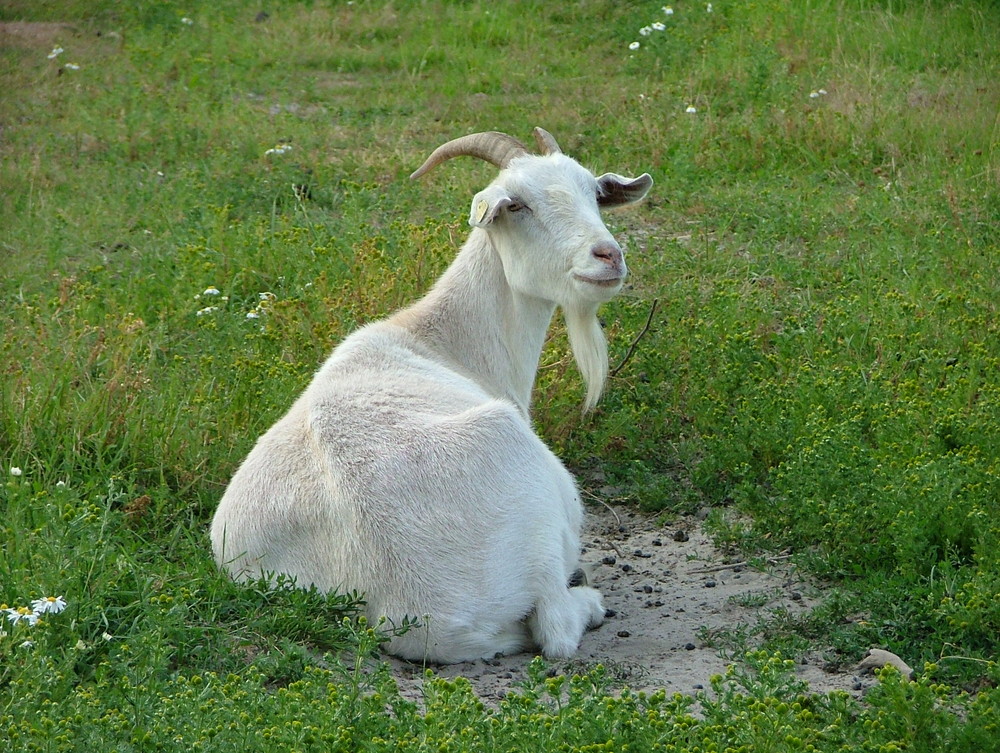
<point>716,568</point>
<point>631,348</point>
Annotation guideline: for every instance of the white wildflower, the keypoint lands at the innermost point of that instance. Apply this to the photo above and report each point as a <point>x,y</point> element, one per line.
<point>668,10</point>
<point>255,314</point>
<point>646,31</point>
<point>187,21</point>
<point>634,46</point>
<point>212,290</point>
<point>49,605</point>
<point>71,67</point>
<point>279,149</point>
<point>822,92</point>
<point>267,296</point>
<point>813,95</point>
<point>207,310</point>
<point>691,110</point>
<point>659,26</point>
<point>28,644</point>
<point>56,52</point>
<point>21,614</point>
<point>15,471</point>
<point>708,8</point>
<point>107,636</point>
<point>60,484</point>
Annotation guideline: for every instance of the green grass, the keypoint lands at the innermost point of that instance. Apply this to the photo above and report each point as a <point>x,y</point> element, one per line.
<point>821,368</point>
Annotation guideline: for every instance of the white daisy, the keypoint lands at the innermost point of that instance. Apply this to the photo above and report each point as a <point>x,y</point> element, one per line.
<point>49,605</point>
<point>21,614</point>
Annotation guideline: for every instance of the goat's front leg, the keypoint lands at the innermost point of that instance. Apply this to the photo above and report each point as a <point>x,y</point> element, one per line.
<point>560,620</point>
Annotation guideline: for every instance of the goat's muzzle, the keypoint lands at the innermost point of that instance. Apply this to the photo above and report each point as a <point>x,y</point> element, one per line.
<point>610,254</point>
<point>612,264</point>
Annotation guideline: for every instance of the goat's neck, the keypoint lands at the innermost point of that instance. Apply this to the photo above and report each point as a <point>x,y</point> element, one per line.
<point>476,322</point>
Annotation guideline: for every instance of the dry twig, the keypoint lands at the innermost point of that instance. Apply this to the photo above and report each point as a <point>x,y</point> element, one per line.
<point>743,563</point>
<point>631,348</point>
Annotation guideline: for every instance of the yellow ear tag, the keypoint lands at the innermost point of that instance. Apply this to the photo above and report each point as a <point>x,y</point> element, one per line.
<point>481,209</point>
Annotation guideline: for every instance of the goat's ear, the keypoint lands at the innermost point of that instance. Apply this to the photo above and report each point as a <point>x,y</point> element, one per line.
<point>615,190</point>
<point>487,204</point>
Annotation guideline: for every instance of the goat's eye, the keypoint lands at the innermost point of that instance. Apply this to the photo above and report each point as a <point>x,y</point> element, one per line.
<point>515,206</point>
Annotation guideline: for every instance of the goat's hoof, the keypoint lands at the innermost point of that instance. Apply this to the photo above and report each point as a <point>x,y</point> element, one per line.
<point>578,578</point>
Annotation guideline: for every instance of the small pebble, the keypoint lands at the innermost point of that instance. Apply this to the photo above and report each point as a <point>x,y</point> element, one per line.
<point>689,647</point>
<point>680,536</point>
<point>698,686</point>
<point>624,634</point>
<point>627,568</point>
<point>656,542</point>
<point>647,589</point>
<point>609,613</point>
<point>795,596</point>
<point>609,560</point>
<point>709,584</point>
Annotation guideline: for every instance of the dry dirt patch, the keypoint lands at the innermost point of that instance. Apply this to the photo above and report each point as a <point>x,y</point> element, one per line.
<point>32,34</point>
<point>664,585</point>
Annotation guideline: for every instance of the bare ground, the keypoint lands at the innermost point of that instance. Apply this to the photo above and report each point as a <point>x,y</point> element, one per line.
<point>664,586</point>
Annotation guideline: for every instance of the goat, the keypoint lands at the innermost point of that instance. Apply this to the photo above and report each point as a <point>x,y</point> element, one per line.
<point>409,471</point>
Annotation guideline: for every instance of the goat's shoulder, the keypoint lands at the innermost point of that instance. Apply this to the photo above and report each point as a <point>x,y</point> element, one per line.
<point>382,358</point>
<point>384,376</point>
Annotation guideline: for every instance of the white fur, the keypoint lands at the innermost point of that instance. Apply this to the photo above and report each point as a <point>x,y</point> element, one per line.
<point>408,469</point>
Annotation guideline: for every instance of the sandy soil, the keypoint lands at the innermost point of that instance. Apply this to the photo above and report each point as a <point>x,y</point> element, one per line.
<point>663,584</point>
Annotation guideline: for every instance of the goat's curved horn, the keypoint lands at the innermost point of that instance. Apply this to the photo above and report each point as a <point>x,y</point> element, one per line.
<point>546,142</point>
<point>494,147</point>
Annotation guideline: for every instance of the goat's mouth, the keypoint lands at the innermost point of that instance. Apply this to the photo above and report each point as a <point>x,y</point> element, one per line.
<point>601,282</point>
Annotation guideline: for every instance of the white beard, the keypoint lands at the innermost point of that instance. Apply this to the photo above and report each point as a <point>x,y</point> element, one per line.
<point>590,349</point>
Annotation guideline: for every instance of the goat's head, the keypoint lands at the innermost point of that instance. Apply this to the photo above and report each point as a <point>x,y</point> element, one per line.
<point>542,215</point>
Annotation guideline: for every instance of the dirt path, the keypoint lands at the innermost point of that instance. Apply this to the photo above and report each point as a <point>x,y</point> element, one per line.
<point>664,585</point>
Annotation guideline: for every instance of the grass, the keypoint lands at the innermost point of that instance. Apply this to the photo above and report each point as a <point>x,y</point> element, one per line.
<point>820,369</point>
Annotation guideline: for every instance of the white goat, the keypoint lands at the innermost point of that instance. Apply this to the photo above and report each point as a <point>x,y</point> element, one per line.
<point>408,469</point>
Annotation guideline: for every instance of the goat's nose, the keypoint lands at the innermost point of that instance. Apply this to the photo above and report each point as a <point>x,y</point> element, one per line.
<point>609,253</point>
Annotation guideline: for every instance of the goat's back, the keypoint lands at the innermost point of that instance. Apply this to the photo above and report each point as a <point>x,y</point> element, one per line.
<point>395,476</point>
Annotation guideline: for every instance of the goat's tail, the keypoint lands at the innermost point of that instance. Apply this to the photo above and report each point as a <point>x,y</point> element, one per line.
<point>590,349</point>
